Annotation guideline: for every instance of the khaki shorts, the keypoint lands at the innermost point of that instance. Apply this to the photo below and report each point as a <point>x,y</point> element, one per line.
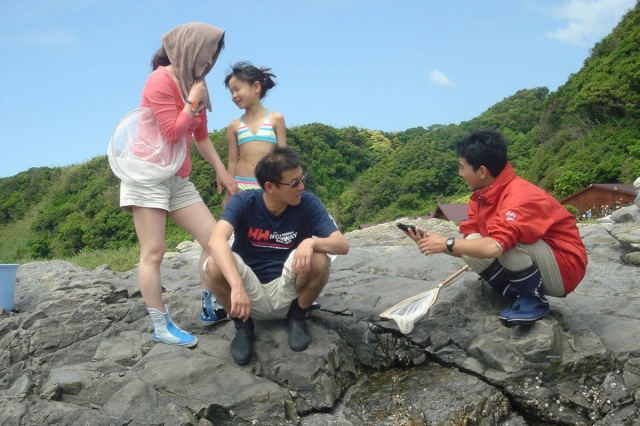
<point>173,194</point>
<point>521,257</point>
<point>268,301</point>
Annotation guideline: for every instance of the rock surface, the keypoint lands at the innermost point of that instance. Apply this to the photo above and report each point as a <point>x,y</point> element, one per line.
<point>78,349</point>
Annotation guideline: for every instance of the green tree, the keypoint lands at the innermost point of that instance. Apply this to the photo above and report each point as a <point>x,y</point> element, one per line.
<point>570,182</point>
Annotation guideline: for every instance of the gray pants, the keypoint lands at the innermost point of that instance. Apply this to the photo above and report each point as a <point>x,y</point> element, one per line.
<point>521,257</point>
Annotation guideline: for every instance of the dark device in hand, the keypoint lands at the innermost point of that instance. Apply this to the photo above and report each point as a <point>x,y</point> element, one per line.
<point>405,228</point>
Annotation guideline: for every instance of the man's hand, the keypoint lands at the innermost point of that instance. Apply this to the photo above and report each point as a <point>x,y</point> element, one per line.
<point>240,303</point>
<point>417,234</point>
<point>432,243</point>
<point>301,263</point>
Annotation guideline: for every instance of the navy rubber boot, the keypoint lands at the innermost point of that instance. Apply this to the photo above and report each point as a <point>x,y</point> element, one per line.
<point>496,276</point>
<point>530,304</point>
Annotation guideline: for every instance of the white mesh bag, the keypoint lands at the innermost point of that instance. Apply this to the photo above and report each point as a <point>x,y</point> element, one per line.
<point>139,154</point>
<point>408,311</point>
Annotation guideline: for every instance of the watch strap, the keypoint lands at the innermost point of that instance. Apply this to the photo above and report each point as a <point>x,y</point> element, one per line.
<point>449,243</point>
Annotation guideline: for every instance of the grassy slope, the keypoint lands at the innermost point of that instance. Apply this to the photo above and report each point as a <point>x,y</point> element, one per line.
<point>14,235</point>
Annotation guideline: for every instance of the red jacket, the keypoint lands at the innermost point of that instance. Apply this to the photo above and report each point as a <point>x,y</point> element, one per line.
<point>512,210</point>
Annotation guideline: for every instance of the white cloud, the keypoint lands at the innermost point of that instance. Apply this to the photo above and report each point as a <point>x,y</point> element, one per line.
<point>588,20</point>
<point>39,38</point>
<point>440,79</point>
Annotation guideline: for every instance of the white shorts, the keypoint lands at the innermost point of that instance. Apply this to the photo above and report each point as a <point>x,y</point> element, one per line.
<point>172,194</point>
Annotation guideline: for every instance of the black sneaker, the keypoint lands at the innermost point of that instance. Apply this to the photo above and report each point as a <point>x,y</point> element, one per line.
<point>242,344</point>
<point>299,338</point>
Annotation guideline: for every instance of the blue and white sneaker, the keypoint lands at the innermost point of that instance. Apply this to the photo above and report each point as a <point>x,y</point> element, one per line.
<point>212,311</point>
<point>166,331</point>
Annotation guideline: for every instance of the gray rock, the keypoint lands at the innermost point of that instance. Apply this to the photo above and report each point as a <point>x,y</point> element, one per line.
<point>627,214</point>
<point>77,349</point>
<point>624,226</point>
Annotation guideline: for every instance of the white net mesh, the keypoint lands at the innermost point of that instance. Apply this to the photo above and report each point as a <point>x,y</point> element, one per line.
<point>406,313</point>
<point>410,310</point>
<point>139,154</point>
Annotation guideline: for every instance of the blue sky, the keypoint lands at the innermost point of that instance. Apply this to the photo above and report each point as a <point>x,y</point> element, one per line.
<point>73,68</point>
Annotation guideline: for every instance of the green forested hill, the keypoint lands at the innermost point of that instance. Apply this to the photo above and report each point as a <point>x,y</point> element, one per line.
<point>587,131</point>
<point>422,169</point>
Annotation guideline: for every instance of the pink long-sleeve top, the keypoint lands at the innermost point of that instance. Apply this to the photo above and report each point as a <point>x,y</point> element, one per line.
<point>162,95</point>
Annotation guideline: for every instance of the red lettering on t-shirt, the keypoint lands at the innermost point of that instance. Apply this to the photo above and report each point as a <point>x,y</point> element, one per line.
<point>258,234</point>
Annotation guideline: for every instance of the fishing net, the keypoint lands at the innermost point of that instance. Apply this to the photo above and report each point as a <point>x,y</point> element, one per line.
<point>138,152</point>
<point>410,310</point>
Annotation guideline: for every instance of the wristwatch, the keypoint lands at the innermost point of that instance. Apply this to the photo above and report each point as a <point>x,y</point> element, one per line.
<point>450,242</point>
<point>194,105</point>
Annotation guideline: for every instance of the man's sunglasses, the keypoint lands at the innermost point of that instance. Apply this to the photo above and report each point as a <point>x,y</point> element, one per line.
<point>296,182</point>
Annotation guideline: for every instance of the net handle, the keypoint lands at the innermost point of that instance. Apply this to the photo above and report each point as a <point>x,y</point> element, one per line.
<point>453,276</point>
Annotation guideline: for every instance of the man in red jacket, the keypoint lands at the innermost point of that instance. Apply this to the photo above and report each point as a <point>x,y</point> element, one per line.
<point>518,238</point>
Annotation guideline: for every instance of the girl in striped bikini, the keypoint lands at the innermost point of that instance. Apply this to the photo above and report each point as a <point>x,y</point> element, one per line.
<point>252,135</point>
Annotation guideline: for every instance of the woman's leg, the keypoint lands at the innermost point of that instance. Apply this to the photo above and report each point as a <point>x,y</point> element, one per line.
<point>198,221</point>
<point>150,227</point>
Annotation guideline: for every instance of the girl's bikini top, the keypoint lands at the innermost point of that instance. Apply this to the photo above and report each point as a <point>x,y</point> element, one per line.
<point>265,133</point>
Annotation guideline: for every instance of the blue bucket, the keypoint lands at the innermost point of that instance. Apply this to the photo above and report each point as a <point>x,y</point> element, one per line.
<point>7,285</point>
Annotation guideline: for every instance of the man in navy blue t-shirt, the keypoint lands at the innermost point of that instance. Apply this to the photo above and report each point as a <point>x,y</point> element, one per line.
<point>278,263</point>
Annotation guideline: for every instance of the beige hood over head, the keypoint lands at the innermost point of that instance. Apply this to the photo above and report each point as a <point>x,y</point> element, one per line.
<point>193,50</point>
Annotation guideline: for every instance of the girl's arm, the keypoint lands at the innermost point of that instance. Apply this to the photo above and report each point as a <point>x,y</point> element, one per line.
<point>279,127</point>
<point>232,140</point>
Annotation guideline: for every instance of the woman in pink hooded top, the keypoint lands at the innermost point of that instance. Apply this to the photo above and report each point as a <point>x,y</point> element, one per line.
<point>177,94</point>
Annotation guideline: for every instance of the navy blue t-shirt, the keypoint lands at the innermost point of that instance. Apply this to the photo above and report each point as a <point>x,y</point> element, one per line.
<point>264,240</point>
